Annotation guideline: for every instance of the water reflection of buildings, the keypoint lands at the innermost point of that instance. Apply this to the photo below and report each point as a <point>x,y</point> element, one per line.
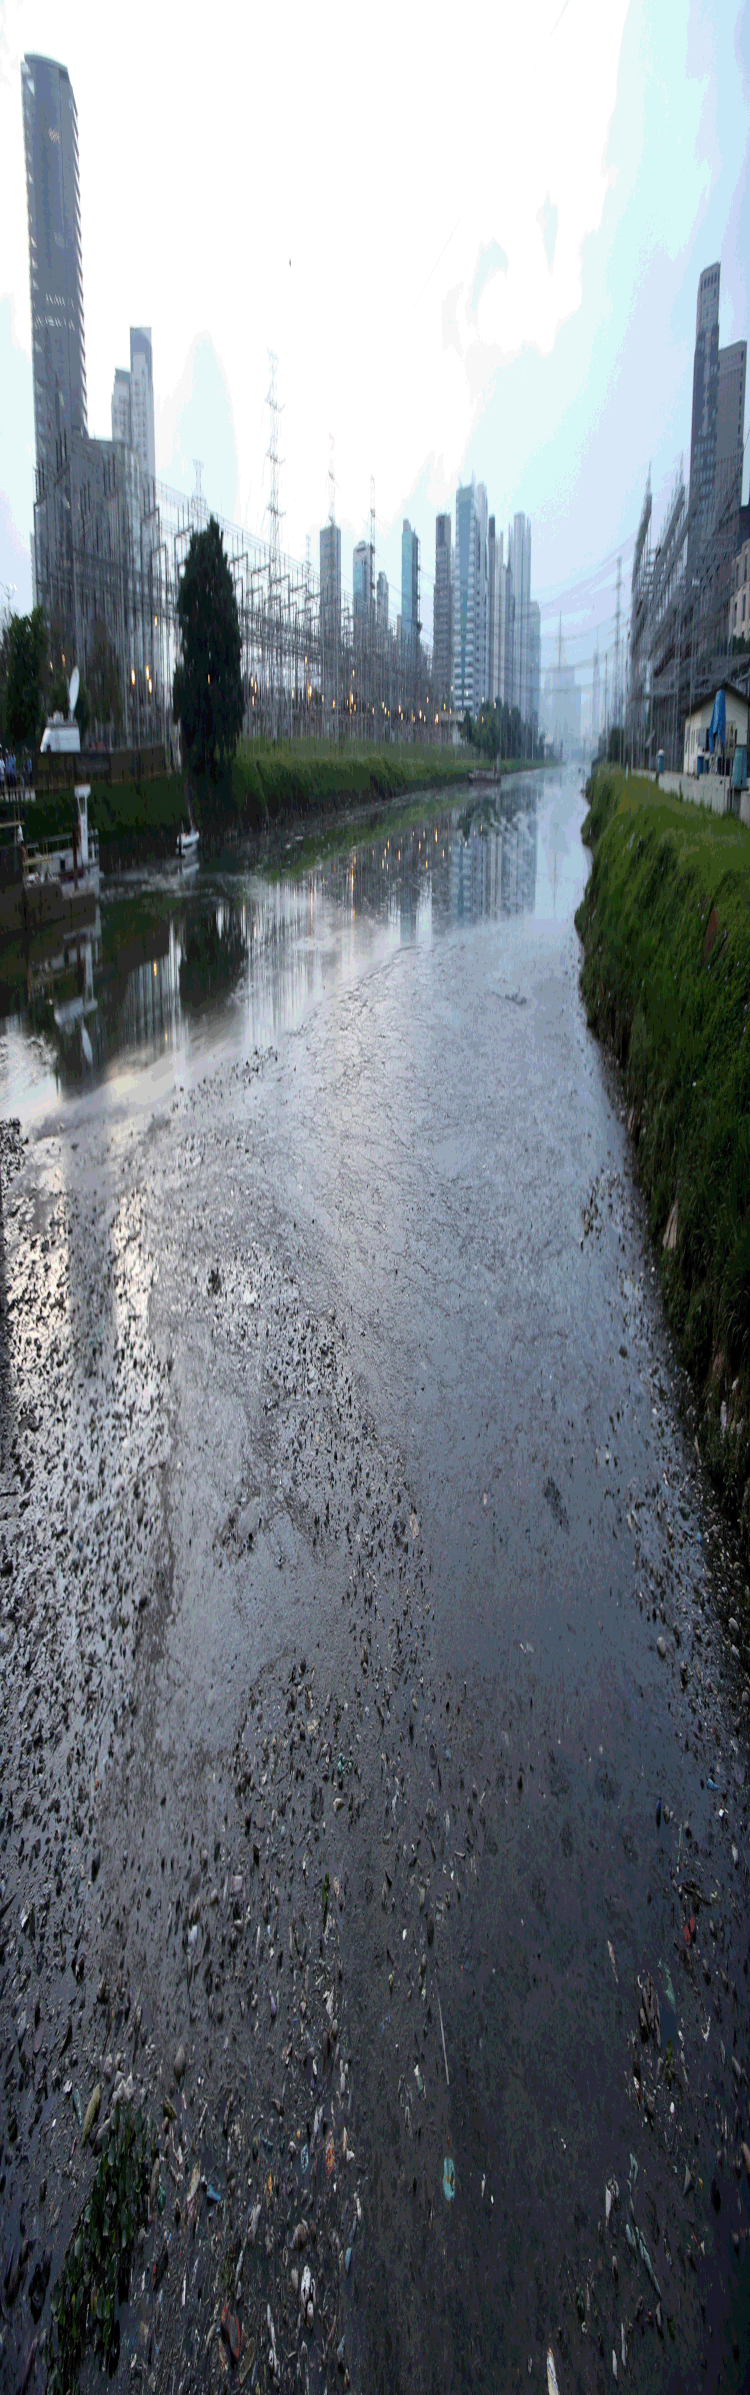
<point>149,973</point>
<point>459,868</point>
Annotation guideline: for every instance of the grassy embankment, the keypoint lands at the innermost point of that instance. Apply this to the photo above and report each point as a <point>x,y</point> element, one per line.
<point>266,786</point>
<point>665,925</point>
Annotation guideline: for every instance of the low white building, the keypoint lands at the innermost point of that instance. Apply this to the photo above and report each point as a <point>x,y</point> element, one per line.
<point>697,732</point>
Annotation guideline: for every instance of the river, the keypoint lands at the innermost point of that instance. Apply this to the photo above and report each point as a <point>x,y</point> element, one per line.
<point>344,1222</point>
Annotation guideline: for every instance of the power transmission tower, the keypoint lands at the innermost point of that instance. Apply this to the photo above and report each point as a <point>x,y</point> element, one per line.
<point>199,504</point>
<point>274,547</point>
<point>371,609</point>
<point>617,644</point>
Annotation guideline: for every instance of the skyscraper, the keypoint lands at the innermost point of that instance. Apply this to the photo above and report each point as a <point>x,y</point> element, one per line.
<point>496,642</point>
<point>362,580</point>
<point>142,397</point>
<point>410,623</point>
<point>330,589</point>
<point>121,407</point>
<point>483,682</point>
<point>382,603</point>
<point>50,132</point>
<point>519,553</point>
<point>442,626</point>
<point>705,413</point>
<point>535,664</point>
<point>510,634</point>
<point>133,401</point>
<point>470,600</point>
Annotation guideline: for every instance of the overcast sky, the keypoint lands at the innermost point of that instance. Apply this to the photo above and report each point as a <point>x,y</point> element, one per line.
<point>473,237</point>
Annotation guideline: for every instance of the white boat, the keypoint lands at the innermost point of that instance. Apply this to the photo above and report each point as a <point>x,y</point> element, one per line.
<point>74,867</point>
<point>187,846</point>
<point>75,864</point>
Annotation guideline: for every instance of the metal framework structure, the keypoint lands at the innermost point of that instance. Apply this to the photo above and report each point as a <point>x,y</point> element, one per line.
<point>109,552</point>
<point>679,624</point>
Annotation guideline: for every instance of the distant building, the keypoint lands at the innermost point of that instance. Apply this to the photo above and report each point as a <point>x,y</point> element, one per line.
<point>362,580</point>
<point>519,553</point>
<point>133,401</point>
<point>442,624</point>
<point>704,427</point>
<point>142,397</point>
<point>470,600</point>
<point>510,634</point>
<point>50,132</point>
<point>410,623</point>
<point>382,603</point>
<point>121,407</point>
<point>484,594</point>
<point>535,666</point>
<point>496,633</point>
<point>330,590</point>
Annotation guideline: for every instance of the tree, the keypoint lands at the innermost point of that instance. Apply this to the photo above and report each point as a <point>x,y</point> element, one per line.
<point>207,691</point>
<point>25,647</point>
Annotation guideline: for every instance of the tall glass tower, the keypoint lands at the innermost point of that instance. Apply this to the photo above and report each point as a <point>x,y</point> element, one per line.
<point>50,132</point>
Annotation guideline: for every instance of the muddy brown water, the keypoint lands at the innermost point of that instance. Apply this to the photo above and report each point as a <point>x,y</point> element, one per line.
<point>338,1410</point>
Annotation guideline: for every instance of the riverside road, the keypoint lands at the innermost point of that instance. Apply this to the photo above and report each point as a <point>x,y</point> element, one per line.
<point>374,1730</point>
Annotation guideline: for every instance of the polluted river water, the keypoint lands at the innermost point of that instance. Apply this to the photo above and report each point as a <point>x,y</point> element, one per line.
<point>374,1723</point>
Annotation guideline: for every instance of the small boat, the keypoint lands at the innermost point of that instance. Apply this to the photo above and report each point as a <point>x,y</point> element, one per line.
<point>187,846</point>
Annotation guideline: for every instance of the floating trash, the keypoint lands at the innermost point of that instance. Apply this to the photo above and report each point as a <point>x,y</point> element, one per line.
<point>304,2161</point>
<point>552,2386</point>
<point>449,2179</point>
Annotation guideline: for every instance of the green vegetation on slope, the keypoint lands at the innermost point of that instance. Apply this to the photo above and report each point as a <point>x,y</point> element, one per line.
<point>262,786</point>
<point>665,925</point>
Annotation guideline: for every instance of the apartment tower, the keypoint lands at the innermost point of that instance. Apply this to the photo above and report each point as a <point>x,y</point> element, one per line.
<point>442,627</point>
<point>50,133</point>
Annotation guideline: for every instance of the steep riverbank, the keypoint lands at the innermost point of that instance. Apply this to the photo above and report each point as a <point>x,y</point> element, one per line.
<point>139,820</point>
<point>665,924</point>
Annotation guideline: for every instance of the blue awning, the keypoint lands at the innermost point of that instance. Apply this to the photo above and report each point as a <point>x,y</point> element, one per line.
<point>717,729</point>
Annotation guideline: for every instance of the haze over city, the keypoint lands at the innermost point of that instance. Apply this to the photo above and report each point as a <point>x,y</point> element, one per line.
<point>500,281</point>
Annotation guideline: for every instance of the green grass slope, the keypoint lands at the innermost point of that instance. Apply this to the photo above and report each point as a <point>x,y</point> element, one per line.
<point>665,926</point>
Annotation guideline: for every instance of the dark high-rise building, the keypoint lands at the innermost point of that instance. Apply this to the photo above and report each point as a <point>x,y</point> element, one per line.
<point>330,587</point>
<point>519,558</point>
<point>382,603</point>
<point>442,622</point>
<point>50,131</point>
<point>410,623</point>
<point>535,662</point>
<point>705,413</point>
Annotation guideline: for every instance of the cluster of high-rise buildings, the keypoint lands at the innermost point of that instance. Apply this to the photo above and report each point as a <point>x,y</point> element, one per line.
<point>95,543</point>
<point>486,641</point>
<point>684,616</point>
<point>487,627</point>
<point>109,542</point>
